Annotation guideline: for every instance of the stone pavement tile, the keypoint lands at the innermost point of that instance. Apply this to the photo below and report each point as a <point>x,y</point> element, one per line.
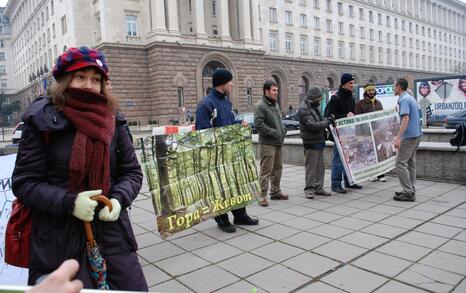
<point>241,286</point>
<point>148,239</point>
<point>298,210</point>
<point>160,251</point>
<point>262,224</point>
<point>245,264</point>
<point>277,217</point>
<point>340,251</point>
<point>450,221</point>
<point>194,241</point>
<point>351,223</point>
<point>419,215</point>
<point>311,264</point>
<point>401,222</point>
<point>278,279</point>
<point>430,278</point>
<point>149,225</point>
<point>208,224</point>
<point>137,230</point>
<point>386,209</point>
<point>277,252</point>
<point>256,210</point>
<point>381,197</point>
<point>363,240</point>
<point>298,200</point>
<point>404,250</point>
<point>342,210</point>
<point>365,190</point>
<point>445,261</point>
<point>457,213</point>
<point>335,199</point>
<point>323,216</point>
<point>352,279</point>
<point>461,288</point>
<point>461,236</point>
<point>397,287</point>
<point>317,204</point>
<point>142,261</point>
<point>217,252</point>
<point>279,205</point>
<point>423,239</point>
<point>277,231</point>
<point>352,195</point>
<point>330,231</point>
<point>454,247</point>
<point>302,223</point>
<point>369,216</point>
<point>404,204</point>
<point>430,207</point>
<point>383,230</point>
<point>185,233</point>
<point>248,241</point>
<point>306,240</point>
<point>154,275</point>
<point>360,204</point>
<point>438,230</point>
<point>383,264</point>
<point>143,204</point>
<point>181,264</point>
<point>219,235</point>
<point>208,279</point>
<point>170,286</point>
<point>319,287</point>
<point>141,216</point>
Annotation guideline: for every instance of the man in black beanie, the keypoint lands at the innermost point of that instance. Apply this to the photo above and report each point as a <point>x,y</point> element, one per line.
<point>216,110</point>
<point>341,105</point>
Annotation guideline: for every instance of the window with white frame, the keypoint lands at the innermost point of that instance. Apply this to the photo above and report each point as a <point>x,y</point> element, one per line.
<point>214,8</point>
<point>273,15</point>
<point>329,5</point>
<point>289,43</point>
<point>397,57</point>
<point>303,20</point>
<point>273,37</point>
<point>371,54</point>
<point>351,30</point>
<point>341,49</point>
<point>341,28</point>
<point>351,11</point>
<point>371,34</point>
<point>361,13</point>
<point>340,8</point>
<point>362,52</point>
<point>2,55</point>
<point>389,38</point>
<point>316,23</point>
<point>389,56</point>
<point>180,95</point>
<point>329,48</point>
<point>288,17</point>
<point>316,4</point>
<point>316,46</point>
<point>380,55</point>
<point>131,25</point>
<point>329,25</point>
<point>63,25</point>
<point>388,21</point>
<point>371,16</point>
<point>303,44</point>
<point>362,32</point>
<point>380,36</point>
<point>352,53</point>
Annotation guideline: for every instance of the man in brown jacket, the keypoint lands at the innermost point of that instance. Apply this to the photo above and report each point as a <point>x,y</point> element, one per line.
<point>370,104</point>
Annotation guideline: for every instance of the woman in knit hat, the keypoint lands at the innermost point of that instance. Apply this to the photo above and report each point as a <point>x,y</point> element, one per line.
<point>74,146</point>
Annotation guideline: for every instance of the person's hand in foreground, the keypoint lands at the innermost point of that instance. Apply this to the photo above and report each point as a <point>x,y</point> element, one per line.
<point>60,280</point>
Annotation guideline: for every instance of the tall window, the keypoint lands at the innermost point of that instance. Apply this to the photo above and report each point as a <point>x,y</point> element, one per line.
<point>341,28</point>
<point>380,36</point>
<point>389,23</point>
<point>371,16</point>
<point>180,95</point>
<point>289,43</point>
<point>131,25</point>
<point>303,20</point>
<point>214,8</point>
<point>362,32</point>
<point>317,46</point>
<point>329,25</point>
<point>249,96</point>
<point>389,56</point>
<point>371,54</point>
<point>288,17</point>
<point>380,55</point>
<point>316,23</point>
<point>379,16</point>
<point>340,8</point>
<point>316,4</point>
<point>329,49</point>
<point>362,51</point>
<point>273,40</point>
<point>389,38</point>
<point>352,52</point>
<point>341,49</point>
<point>371,34</point>
<point>329,5</point>
<point>351,30</point>
<point>63,24</point>
<point>303,44</point>
<point>273,15</point>
<point>361,13</point>
<point>2,56</point>
<point>351,11</point>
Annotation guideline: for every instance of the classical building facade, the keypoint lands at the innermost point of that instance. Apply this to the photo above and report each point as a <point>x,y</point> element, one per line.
<point>162,53</point>
<point>6,85</point>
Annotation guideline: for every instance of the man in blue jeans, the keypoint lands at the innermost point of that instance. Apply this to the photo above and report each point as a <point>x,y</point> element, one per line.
<point>341,105</point>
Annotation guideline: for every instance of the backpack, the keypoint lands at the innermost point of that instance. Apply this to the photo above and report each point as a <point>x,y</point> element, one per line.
<point>459,136</point>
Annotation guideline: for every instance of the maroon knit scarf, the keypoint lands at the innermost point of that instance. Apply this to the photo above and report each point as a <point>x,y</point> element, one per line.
<point>95,125</point>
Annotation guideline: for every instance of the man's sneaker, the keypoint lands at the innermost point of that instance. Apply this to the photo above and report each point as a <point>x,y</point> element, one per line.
<point>322,192</point>
<point>247,221</point>
<point>382,179</point>
<point>339,190</point>
<point>354,186</point>
<point>263,202</point>
<point>374,179</point>
<point>278,196</point>
<point>405,196</point>
<point>228,227</point>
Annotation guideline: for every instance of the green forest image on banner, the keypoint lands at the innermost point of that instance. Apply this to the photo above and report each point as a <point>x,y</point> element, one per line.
<point>198,175</point>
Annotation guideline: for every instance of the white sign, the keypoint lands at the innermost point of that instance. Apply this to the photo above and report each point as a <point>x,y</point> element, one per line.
<point>9,275</point>
<point>385,94</point>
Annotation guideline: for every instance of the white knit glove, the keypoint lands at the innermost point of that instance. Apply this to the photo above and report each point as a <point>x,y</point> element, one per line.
<point>110,216</point>
<point>84,206</point>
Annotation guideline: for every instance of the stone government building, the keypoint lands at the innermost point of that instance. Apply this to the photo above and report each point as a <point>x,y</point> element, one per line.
<point>162,53</point>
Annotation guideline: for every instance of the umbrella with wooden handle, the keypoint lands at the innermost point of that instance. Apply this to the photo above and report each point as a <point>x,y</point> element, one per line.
<point>97,263</point>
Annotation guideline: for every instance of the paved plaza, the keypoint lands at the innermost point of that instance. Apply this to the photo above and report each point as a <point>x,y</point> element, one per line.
<point>362,241</point>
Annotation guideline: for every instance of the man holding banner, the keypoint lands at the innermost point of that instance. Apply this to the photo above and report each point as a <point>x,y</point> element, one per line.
<point>215,110</point>
<point>407,141</point>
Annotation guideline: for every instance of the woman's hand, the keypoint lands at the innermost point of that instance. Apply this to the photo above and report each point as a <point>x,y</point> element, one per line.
<point>84,206</point>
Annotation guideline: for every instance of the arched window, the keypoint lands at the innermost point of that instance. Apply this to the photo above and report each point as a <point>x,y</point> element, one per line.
<point>303,87</point>
<point>207,73</point>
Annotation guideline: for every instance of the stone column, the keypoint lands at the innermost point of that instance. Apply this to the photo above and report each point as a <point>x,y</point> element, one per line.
<point>244,20</point>
<point>173,26</point>
<point>198,6</point>
<point>255,20</point>
<point>223,20</point>
<point>158,16</point>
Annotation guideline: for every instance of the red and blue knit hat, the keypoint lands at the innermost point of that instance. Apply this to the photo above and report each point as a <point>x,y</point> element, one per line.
<point>78,58</point>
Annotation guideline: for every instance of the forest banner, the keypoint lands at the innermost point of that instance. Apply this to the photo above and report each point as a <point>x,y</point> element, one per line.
<point>365,143</point>
<point>198,175</point>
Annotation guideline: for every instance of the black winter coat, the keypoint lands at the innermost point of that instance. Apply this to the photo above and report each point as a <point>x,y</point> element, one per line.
<point>40,181</point>
<point>340,104</point>
<point>311,123</point>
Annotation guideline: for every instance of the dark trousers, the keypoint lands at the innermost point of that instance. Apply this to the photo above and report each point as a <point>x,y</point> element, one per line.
<point>237,214</point>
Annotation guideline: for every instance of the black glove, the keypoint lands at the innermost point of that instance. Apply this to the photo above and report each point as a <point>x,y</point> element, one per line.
<point>331,119</point>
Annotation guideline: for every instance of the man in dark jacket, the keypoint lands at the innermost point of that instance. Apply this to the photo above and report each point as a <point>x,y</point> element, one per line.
<point>312,127</point>
<point>370,104</point>
<point>268,122</point>
<point>215,110</point>
<point>341,105</point>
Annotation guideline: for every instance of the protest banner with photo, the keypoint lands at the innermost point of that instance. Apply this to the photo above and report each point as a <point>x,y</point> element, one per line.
<point>9,275</point>
<point>365,143</point>
<point>441,95</point>
<point>198,175</point>
<point>385,94</point>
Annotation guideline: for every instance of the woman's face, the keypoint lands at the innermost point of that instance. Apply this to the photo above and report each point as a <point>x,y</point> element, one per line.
<point>87,79</point>
<point>424,91</point>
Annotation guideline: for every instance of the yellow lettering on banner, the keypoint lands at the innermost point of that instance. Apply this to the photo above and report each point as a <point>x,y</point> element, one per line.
<point>240,199</point>
<point>233,201</point>
<point>217,206</point>
<point>170,222</point>
<point>189,219</point>
<point>180,221</point>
